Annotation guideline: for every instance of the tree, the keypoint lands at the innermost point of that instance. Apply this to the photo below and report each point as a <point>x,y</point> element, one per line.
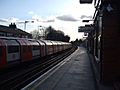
<point>56,35</point>
<point>80,41</point>
<point>52,34</point>
<point>35,34</point>
<point>66,38</point>
<point>59,35</point>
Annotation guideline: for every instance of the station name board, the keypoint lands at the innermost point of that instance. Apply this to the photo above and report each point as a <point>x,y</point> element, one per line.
<point>85,29</point>
<point>85,1</point>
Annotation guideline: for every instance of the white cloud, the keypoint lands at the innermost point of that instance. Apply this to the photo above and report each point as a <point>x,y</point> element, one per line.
<point>31,12</point>
<point>85,16</point>
<point>37,17</point>
<point>67,18</point>
<point>13,19</point>
<point>9,20</point>
<point>77,10</point>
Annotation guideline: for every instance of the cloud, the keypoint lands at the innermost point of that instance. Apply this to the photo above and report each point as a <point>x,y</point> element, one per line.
<point>85,16</point>
<point>67,18</point>
<point>3,20</point>
<point>37,18</point>
<point>31,12</point>
<point>52,20</point>
<point>9,20</point>
<point>13,19</point>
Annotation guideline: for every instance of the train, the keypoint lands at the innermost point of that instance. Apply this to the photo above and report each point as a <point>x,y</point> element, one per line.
<point>19,50</point>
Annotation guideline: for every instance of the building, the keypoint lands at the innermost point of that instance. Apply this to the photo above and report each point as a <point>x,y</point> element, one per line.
<point>104,41</point>
<point>13,31</point>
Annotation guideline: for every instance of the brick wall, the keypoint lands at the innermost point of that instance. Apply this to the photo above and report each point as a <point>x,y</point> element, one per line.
<point>110,66</point>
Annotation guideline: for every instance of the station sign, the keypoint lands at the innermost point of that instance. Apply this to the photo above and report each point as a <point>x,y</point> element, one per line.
<point>85,1</point>
<point>85,29</point>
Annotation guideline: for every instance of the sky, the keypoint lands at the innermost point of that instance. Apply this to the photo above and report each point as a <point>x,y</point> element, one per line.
<point>64,15</point>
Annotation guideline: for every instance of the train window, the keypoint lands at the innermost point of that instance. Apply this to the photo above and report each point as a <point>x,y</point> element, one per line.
<point>0,51</point>
<point>11,42</point>
<point>13,49</point>
<point>36,47</point>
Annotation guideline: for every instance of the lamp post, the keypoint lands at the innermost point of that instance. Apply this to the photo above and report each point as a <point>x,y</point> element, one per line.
<point>42,30</point>
<point>27,22</point>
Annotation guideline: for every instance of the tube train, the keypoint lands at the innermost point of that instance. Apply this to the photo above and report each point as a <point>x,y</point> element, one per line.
<point>17,50</point>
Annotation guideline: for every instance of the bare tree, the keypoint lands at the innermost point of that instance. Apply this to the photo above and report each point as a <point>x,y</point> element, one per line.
<point>35,34</point>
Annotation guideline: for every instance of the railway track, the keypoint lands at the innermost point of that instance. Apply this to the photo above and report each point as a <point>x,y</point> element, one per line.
<point>24,77</point>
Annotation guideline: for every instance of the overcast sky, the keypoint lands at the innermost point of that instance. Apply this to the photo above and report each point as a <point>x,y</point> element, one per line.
<point>64,15</point>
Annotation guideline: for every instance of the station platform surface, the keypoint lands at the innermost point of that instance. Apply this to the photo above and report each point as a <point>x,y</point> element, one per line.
<point>74,73</point>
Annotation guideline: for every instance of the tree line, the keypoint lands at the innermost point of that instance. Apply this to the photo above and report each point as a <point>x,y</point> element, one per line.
<point>51,34</point>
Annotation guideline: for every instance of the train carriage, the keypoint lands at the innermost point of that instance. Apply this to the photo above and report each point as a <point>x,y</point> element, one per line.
<point>16,50</point>
<point>54,46</point>
<point>63,47</point>
<point>26,50</point>
<point>67,45</point>
<point>59,46</point>
<point>49,47</point>
<point>42,48</point>
<point>35,48</point>
<point>10,51</point>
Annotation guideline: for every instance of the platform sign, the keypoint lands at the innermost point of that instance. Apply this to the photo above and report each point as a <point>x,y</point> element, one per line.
<point>85,1</point>
<point>85,29</point>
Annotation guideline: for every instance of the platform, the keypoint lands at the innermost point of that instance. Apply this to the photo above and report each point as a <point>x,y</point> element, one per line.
<point>74,73</point>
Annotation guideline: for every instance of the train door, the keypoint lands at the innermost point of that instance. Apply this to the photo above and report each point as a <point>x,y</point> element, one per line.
<point>49,47</point>
<point>57,46</point>
<point>53,46</point>
<point>42,48</point>
<point>35,49</point>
